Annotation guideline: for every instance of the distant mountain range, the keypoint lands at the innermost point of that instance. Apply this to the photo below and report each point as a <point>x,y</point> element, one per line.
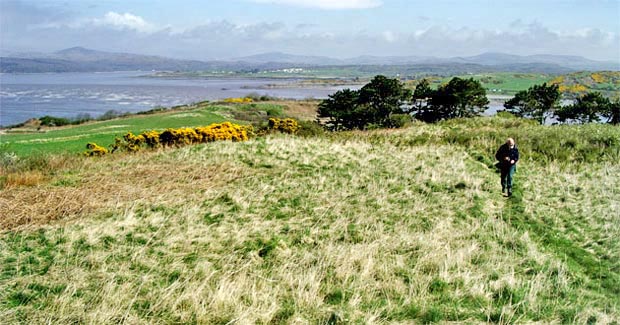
<point>78,59</point>
<point>485,59</point>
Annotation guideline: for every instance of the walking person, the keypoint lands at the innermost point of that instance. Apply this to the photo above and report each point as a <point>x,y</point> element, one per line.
<point>507,155</point>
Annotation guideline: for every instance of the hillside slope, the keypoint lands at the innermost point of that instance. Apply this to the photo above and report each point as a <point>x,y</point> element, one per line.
<point>383,226</point>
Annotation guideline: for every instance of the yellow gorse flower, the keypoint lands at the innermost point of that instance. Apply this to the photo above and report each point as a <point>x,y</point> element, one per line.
<point>287,125</point>
<point>598,78</point>
<point>95,150</point>
<point>238,100</point>
<point>176,137</point>
<point>223,131</point>
<point>557,80</point>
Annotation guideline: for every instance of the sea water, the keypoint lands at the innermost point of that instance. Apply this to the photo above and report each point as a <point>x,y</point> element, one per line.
<point>25,96</point>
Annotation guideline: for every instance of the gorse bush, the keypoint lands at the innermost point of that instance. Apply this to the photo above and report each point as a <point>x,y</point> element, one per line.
<point>151,138</point>
<point>95,150</point>
<point>175,137</point>
<point>132,142</point>
<point>238,100</point>
<point>287,125</point>
<point>224,131</point>
<point>179,137</point>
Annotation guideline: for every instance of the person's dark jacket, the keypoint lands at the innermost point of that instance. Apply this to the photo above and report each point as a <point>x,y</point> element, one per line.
<point>505,151</point>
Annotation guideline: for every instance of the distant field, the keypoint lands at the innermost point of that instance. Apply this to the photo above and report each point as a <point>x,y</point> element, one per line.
<point>499,83</point>
<point>507,83</point>
<point>494,83</point>
<point>570,85</point>
<point>575,84</point>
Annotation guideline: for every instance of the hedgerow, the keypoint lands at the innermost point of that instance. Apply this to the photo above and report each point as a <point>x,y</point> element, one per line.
<point>175,137</point>
<point>186,136</point>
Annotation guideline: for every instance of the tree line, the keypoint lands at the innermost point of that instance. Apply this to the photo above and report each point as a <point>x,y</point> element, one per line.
<point>385,102</point>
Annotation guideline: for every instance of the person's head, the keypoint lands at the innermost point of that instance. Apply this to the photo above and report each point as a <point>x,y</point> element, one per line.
<point>510,142</point>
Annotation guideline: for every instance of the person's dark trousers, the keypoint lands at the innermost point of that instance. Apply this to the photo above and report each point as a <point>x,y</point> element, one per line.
<point>506,174</point>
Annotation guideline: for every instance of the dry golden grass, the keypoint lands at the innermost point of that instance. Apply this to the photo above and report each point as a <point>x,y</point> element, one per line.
<point>27,178</point>
<point>291,230</point>
<point>101,185</point>
<point>303,110</point>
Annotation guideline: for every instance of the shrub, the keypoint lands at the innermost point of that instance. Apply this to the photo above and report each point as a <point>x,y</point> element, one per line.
<point>82,118</point>
<point>287,125</point>
<point>132,142</point>
<point>274,111</point>
<point>54,121</point>
<point>178,137</point>
<point>260,98</point>
<point>310,129</point>
<point>95,150</point>
<point>223,131</point>
<point>151,138</point>
<point>157,109</point>
<point>111,114</point>
<point>238,100</point>
<point>398,121</point>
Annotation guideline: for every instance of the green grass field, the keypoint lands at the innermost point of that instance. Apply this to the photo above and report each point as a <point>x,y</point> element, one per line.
<point>385,226</point>
<point>505,83</point>
<point>74,139</point>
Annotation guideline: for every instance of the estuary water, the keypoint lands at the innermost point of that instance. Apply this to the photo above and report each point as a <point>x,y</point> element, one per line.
<point>25,96</point>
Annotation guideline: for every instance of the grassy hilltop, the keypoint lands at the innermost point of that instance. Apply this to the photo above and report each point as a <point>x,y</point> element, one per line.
<point>386,226</point>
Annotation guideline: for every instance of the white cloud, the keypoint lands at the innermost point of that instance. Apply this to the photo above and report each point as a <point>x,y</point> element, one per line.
<point>389,36</point>
<point>124,21</point>
<point>327,4</point>
<point>23,29</point>
<point>532,38</point>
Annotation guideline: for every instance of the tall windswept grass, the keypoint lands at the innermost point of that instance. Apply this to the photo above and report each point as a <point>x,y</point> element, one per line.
<point>364,227</point>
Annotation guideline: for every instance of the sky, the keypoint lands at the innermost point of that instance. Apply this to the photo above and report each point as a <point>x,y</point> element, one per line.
<point>225,29</point>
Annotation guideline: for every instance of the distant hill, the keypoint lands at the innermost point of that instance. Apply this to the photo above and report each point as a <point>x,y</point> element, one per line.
<point>79,59</point>
<point>548,63</point>
<point>567,61</point>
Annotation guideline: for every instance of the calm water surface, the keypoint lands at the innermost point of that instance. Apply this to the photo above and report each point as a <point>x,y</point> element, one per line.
<point>24,96</point>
